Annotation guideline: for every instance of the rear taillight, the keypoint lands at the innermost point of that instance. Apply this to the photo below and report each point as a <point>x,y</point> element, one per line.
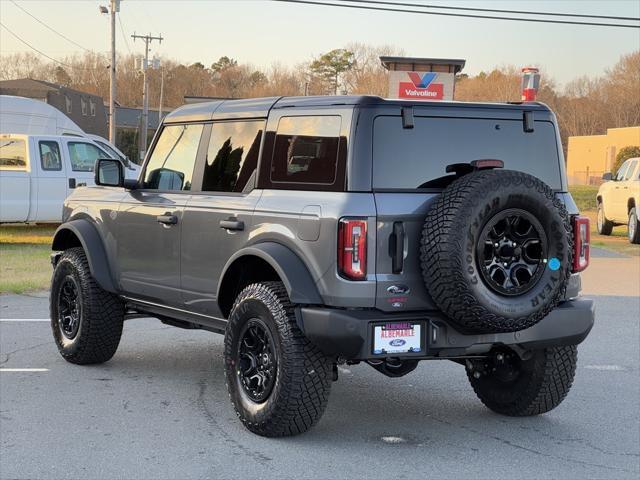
<point>581,237</point>
<point>352,248</point>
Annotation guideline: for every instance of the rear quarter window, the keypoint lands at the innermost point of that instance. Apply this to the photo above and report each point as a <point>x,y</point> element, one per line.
<point>13,154</point>
<point>407,158</point>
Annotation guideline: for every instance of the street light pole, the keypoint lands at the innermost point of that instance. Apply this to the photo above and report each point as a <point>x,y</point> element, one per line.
<point>115,7</point>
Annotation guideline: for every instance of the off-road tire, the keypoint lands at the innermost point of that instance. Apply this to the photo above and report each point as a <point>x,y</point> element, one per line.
<point>101,313</point>
<point>542,384</point>
<point>452,231</point>
<point>304,374</point>
<point>603,225</point>
<point>634,226</point>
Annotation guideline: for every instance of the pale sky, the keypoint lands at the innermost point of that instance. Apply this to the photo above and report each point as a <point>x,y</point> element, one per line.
<point>261,32</point>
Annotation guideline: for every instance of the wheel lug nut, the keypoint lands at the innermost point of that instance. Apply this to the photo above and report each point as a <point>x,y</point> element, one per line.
<point>496,244</point>
<point>505,264</point>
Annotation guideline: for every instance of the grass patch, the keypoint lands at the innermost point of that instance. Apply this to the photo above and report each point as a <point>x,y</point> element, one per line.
<point>585,197</point>
<point>27,234</point>
<point>24,267</point>
<point>24,257</point>
<point>618,241</point>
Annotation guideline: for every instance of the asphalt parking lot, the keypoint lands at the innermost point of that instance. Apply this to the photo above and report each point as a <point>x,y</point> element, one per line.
<point>159,409</point>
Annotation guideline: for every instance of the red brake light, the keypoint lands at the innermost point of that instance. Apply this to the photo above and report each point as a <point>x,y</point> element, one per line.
<point>581,238</point>
<point>352,248</point>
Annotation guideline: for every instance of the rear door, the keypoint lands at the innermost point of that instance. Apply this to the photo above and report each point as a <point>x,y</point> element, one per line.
<point>150,218</point>
<point>217,218</point>
<point>15,179</point>
<point>408,168</point>
<point>50,178</point>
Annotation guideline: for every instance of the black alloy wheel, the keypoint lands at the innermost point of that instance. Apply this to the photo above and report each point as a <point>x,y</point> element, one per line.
<point>512,252</point>
<point>69,307</point>
<point>256,360</point>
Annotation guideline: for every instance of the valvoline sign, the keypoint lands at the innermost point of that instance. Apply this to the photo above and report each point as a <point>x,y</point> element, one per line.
<point>422,86</point>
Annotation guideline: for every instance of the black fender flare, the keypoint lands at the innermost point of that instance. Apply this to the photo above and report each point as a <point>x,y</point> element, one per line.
<point>290,268</point>
<point>93,248</point>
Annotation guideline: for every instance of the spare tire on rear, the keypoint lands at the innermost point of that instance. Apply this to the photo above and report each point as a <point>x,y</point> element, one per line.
<point>496,251</point>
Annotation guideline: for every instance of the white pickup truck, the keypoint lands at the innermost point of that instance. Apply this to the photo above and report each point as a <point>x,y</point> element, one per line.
<point>37,172</point>
<point>619,200</point>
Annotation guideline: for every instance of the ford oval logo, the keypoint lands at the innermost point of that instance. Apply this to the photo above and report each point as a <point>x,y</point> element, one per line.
<point>398,290</point>
<point>398,342</point>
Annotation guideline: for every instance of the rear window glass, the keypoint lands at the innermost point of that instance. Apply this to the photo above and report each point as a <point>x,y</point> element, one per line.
<point>409,158</point>
<point>50,155</point>
<point>306,150</point>
<point>13,154</point>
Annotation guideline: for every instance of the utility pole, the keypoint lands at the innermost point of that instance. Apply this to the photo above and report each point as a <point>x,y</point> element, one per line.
<point>161,95</point>
<point>147,39</point>
<point>114,8</point>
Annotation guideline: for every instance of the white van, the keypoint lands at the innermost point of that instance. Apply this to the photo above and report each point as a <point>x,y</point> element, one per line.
<point>35,117</point>
<point>37,172</point>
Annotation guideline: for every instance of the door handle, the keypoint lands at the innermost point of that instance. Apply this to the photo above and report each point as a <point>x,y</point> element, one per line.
<point>396,247</point>
<point>72,183</point>
<point>232,224</point>
<point>167,219</point>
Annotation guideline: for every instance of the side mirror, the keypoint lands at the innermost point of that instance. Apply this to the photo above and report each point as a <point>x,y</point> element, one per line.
<point>109,172</point>
<point>607,176</point>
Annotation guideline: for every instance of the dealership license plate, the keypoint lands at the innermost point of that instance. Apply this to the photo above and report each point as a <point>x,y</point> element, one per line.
<point>402,337</point>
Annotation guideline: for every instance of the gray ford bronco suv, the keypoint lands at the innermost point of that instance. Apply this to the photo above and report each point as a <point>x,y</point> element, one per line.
<point>316,231</point>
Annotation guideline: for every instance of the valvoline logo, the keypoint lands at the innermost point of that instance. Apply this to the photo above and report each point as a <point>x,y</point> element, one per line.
<point>422,86</point>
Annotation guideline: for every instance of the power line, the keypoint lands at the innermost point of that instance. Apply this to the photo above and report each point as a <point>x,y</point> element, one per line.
<point>50,28</point>
<point>488,17</point>
<point>124,36</point>
<point>475,9</point>
<point>41,52</point>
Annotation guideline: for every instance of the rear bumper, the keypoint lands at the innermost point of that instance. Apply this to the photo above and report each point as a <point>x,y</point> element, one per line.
<point>348,333</point>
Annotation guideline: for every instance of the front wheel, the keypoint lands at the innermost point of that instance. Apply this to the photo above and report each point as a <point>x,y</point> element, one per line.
<point>511,386</point>
<point>604,226</point>
<point>634,231</point>
<point>278,381</point>
<point>86,320</point>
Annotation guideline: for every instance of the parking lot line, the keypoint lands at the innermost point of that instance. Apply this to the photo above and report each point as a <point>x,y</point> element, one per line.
<point>24,370</point>
<point>24,320</point>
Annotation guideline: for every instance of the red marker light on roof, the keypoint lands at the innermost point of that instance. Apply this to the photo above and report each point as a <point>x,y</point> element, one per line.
<point>530,83</point>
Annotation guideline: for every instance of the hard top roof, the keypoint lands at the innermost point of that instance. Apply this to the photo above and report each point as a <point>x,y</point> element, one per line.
<point>259,107</point>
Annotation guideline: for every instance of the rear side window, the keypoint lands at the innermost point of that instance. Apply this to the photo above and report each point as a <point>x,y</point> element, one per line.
<point>173,158</point>
<point>411,158</point>
<point>83,156</point>
<point>13,154</point>
<point>232,156</point>
<point>306,150</point>
<point>50,155</point>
